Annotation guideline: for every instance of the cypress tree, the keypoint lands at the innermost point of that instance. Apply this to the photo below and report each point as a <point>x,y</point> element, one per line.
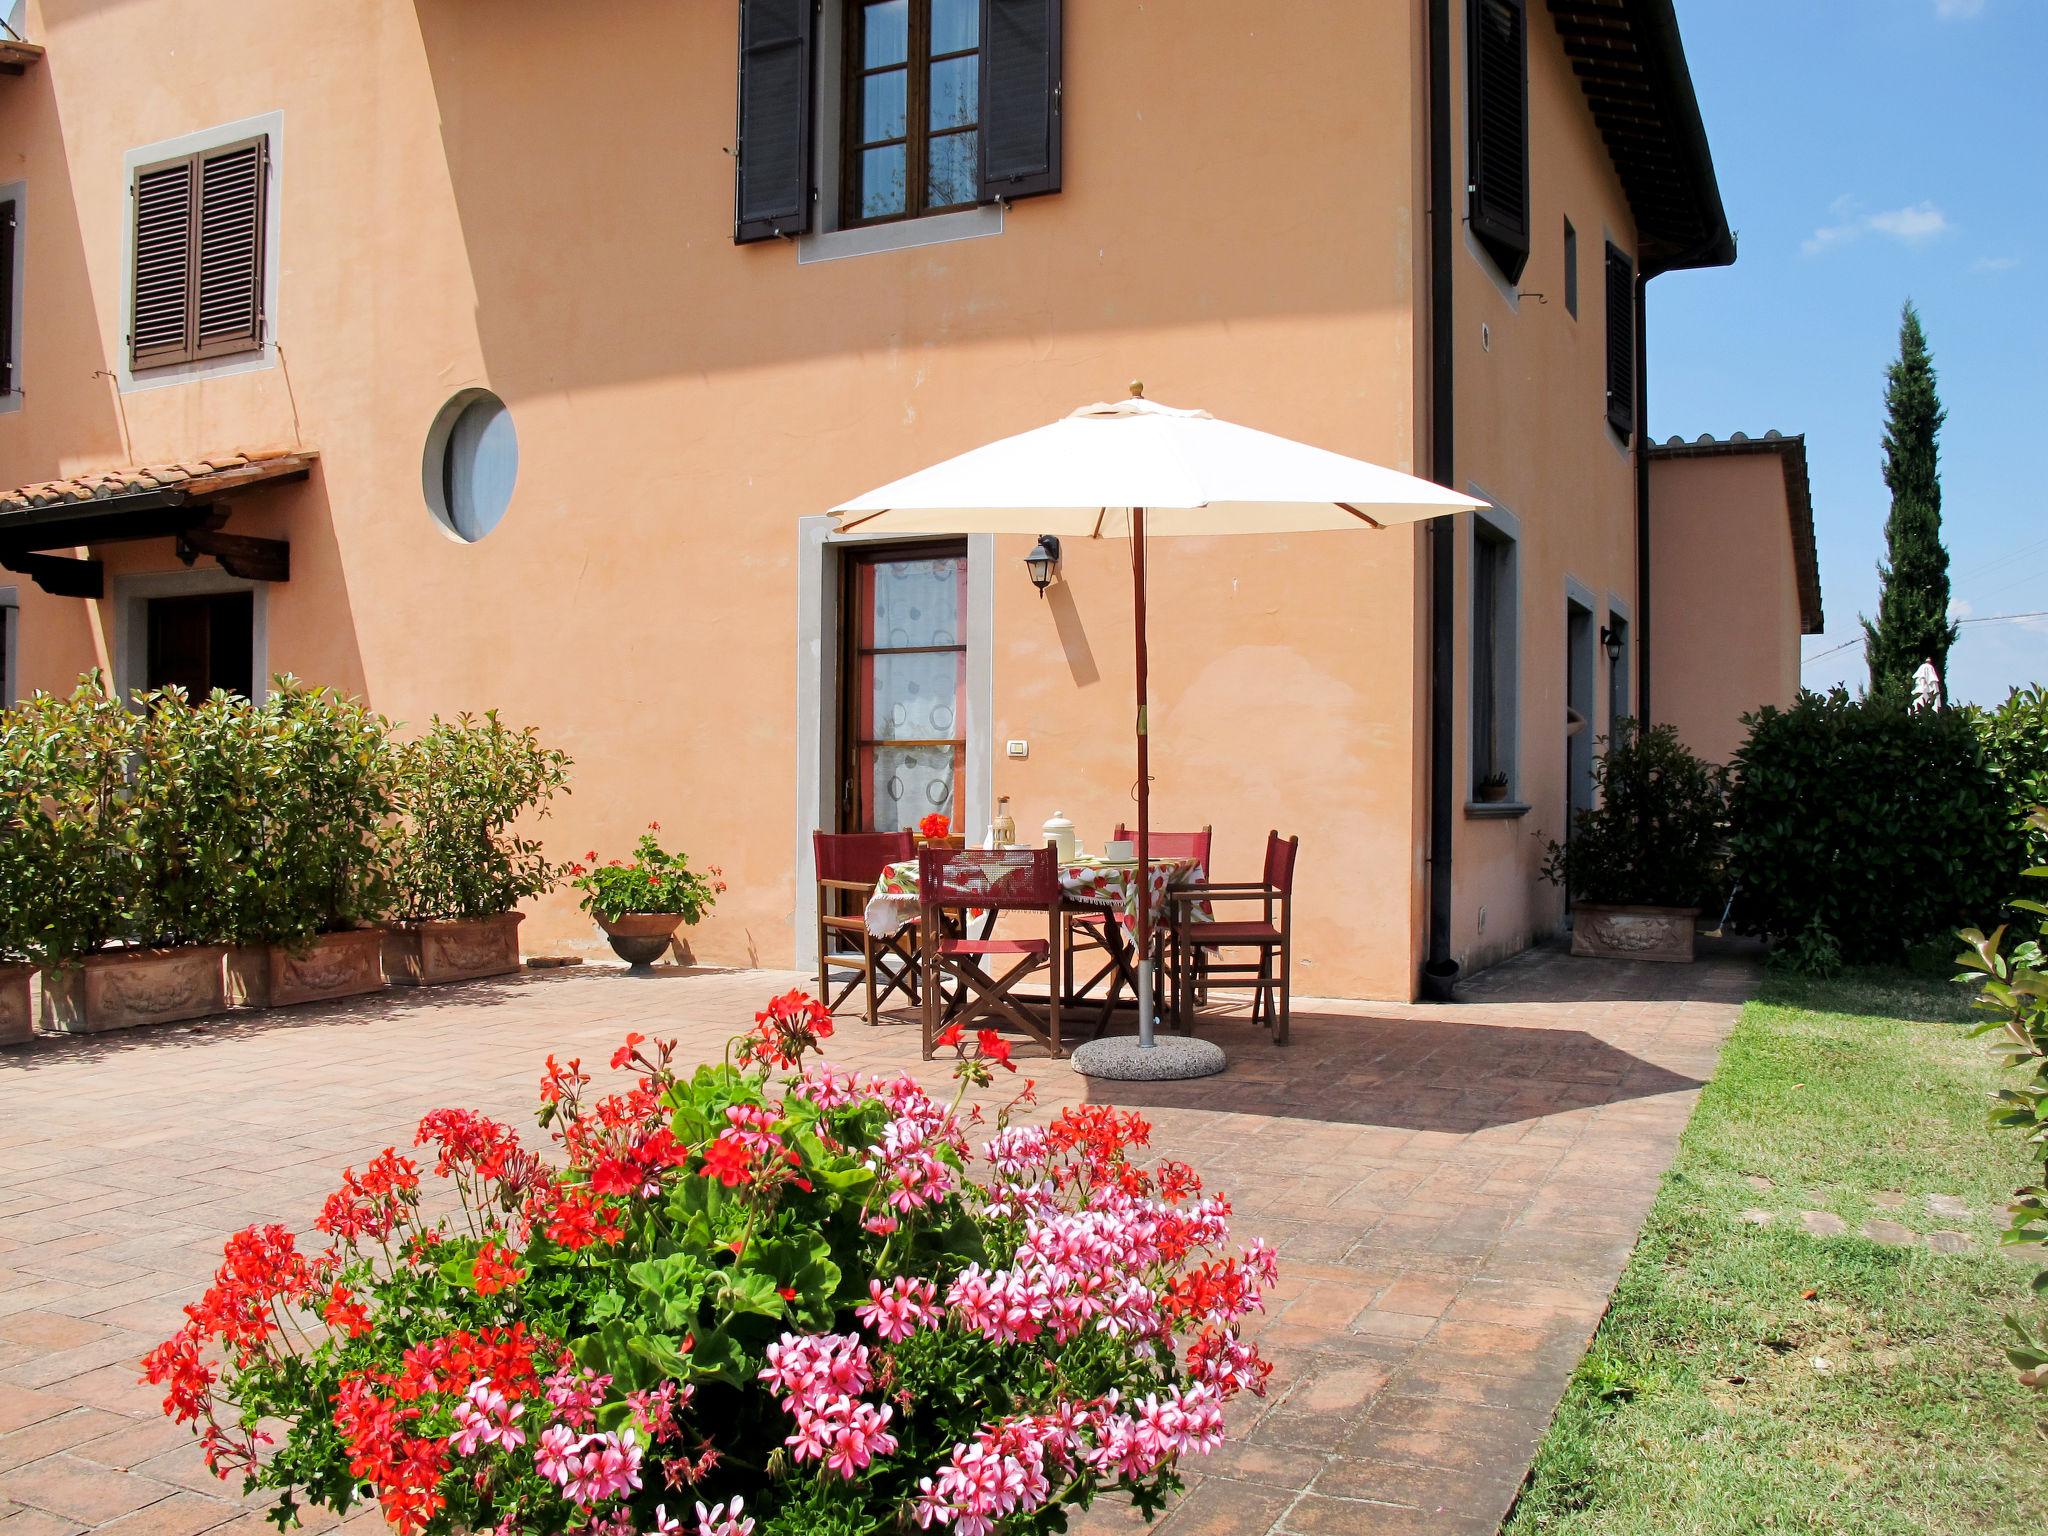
<point>1912,623</point>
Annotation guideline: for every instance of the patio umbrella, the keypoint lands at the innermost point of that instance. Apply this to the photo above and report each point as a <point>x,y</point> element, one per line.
<point>1137,469</point>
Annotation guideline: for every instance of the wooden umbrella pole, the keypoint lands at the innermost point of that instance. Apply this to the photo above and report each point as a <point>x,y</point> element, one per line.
<point>1144,871</point>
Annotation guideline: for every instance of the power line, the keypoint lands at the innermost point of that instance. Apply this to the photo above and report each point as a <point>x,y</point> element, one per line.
<point>1990,618</point>
<point>2005,618</point>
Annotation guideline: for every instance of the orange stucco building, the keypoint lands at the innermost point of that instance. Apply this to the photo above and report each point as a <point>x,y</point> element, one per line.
<point>550,337</point>
<point>1735,584</point>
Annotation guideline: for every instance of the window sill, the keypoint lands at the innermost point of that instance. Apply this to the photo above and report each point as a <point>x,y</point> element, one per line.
<point>903,235</point>
<point>1494,810</point>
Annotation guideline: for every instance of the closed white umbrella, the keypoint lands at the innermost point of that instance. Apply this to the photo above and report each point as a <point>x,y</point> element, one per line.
<point>1135,469</point>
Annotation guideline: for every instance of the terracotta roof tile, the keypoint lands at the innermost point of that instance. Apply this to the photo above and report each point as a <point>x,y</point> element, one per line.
<point>109,484</point>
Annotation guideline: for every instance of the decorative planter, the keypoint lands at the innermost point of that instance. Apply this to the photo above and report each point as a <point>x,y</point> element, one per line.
<point>335,965</point>
<point>1491,794</point>
<point>126,987</point>
<point>425,954</point>
<point>640,938</point>
<point>16,1024</point>
<point>1633,933</point>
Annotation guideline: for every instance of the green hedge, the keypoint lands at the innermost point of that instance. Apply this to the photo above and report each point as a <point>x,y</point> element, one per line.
<point>161,821</point>
<point>1878,826</point>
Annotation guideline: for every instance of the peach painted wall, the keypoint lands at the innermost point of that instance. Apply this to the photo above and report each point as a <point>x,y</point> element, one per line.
<point>1721,547</point>
<point>502,193</point>
<point>1532,436</point>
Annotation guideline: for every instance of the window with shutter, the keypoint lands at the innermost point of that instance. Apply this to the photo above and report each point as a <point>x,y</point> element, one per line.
<point>1020,98</point>
<point>772,185</point>
<point>8,366</point>
<point>1497,139</point>
<point>1621,343</point>
<point>198,279</point>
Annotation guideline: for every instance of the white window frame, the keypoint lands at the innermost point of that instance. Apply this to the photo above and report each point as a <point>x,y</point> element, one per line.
<point>268,125</point>
<point>1623,670</point>
<point>10,636</point>
<point>16,192</point>
<point>1495,524</point>
<point>817,690</point>
<point>132,596</point>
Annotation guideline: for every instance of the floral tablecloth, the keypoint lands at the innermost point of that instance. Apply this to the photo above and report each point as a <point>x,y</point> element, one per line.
<point>1086,882</point>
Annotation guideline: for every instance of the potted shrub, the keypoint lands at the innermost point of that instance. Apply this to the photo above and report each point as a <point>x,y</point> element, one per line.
<point>61,838</point>
<point>1493,789</point>
<point>72,867</point>
<point>460,867</point>
<point>763,1299</point>
<point>319,872</point>
<point>640,902</point>
<point>1639,863</point>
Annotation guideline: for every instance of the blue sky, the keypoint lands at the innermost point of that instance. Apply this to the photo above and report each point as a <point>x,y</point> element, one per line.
<point>1871,150</point>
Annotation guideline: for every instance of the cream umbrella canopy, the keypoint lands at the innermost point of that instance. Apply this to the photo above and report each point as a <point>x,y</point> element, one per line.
<point>1137,469</point>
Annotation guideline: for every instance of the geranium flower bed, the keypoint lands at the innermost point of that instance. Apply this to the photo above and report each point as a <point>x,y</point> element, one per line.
<point>765,1299</point>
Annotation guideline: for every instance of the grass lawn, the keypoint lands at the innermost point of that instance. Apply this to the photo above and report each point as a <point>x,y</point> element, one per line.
<point>1717,1397</point>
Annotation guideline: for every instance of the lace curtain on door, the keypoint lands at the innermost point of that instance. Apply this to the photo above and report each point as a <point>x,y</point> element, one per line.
<point>912,674</point>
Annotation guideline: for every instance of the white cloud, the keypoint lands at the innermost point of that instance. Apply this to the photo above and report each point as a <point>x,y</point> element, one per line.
<point>1958,10</point>
<point>1913,224</point>
<point>1994,263</point>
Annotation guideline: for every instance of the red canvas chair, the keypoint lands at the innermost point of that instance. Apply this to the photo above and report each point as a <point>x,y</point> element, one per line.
<point>1199,946</point>
<point>848,865</point>
<point>1092,930</point>
<point>992,880</point>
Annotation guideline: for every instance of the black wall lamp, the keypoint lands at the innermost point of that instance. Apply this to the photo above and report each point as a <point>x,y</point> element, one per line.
<point>1610,639</point>
<point>1043,561</point>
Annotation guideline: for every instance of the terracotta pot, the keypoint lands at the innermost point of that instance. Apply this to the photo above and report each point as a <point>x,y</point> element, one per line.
<point>16,1024</point>
<point>122,988</point>
<point>1633,933</point>
<point>1492,794</point>
<point>425,954</point>
<point>335,965</point>
<point>640,938</point>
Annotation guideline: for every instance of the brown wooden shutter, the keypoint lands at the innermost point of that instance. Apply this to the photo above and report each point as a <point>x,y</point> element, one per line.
<point>1621,343</point>
<point>227,288</point>
<point>158,326</point>
<point>772,184</point>
<point>1020,98</point>
<point>1497,138</point>
<point>7,380</point>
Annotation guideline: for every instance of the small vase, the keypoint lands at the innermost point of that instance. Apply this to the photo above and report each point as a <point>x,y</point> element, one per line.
<point>640,938</point>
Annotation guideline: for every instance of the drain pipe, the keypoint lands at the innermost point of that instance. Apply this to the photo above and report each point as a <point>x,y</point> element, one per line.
<point>1439,971</point>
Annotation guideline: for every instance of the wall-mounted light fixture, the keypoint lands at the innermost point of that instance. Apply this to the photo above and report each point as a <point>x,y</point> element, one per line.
<point>1610,640</point>
<point>1043,562</point>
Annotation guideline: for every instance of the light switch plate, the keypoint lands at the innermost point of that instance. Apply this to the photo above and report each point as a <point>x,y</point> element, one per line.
<point>1019,749</point>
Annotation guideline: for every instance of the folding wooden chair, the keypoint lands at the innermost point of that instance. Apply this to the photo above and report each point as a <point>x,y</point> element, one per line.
<point>848,866</point>
<point>992,880</point>
<point>1271,972</point>
<point>1097,929</point>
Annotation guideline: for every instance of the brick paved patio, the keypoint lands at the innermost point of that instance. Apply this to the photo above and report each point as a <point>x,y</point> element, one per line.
<point>1453,1193</point>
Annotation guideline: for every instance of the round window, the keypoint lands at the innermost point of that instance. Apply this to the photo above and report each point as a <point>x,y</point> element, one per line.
<point>471,462</point>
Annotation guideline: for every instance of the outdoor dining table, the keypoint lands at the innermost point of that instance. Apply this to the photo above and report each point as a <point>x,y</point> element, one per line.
<point>1087,884</point>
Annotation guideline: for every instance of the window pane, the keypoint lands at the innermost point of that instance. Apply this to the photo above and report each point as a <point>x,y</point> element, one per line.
<point>956,92</point>
<point>885,33</point>
<point>919,602</point>
<point>954,178</point>
<point>906,784</point>
<point>916,697</point>
<point>881,181</point>
<point>956,24</point>
<point>883,110</point>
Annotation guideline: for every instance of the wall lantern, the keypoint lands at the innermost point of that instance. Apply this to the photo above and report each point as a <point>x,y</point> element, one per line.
<point>1611,640</point>
<point>1043,561</point>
